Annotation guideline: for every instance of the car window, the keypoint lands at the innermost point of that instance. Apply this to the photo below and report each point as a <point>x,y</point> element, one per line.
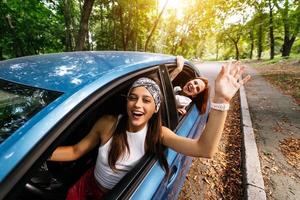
<point>52,179</point>
<point>18,103</point>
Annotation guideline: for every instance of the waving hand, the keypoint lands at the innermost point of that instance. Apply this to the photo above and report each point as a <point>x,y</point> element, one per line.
<point>228,82</point>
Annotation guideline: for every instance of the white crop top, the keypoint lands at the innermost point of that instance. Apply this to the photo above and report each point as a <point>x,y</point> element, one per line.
<point>104,174</point>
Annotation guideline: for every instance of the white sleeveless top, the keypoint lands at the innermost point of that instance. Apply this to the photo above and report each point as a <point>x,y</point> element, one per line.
<point>104,174</point>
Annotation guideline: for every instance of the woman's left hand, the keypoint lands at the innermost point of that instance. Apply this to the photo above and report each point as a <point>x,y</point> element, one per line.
<point>227,82</point>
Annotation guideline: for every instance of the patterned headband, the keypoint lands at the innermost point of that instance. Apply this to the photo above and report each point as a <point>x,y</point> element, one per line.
<point>151,86</point>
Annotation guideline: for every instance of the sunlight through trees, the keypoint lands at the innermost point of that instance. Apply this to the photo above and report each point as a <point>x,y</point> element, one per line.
<point>203,29</point>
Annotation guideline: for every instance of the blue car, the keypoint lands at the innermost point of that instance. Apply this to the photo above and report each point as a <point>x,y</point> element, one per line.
<point>52,100</point>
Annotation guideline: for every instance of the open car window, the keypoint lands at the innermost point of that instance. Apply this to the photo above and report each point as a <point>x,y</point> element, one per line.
<point>179,81</point>
<point>51,180</point>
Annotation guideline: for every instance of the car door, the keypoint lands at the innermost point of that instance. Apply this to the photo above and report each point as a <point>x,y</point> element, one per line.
<point>51,180</point>
<point>191,125</point>
<point>146,181</point>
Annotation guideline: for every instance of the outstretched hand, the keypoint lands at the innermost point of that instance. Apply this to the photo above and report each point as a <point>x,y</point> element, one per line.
<point>227,82</point>
<point>179,67</point>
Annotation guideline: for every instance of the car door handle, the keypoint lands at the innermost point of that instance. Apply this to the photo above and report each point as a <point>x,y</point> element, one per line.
<point>174,172</point>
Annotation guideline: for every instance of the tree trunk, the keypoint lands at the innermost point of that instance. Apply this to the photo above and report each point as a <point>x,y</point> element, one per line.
<point>252,43</point>
<point>287,46</point>
<point>288,39</point>
<point>114,41</point>
<point>271,32</point>
<point>259,39</point>
<point>122,29</point>
<point>88,45</point>
<point>84,21</point>
<point>217,51</point>
<point>237,52</point>
<point>288,42</point>
<point>154,26</point>
<point>235,41</point>
<point>1,54</point>
<point>67,16</point>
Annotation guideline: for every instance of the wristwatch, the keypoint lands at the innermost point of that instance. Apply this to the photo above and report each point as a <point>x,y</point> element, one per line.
<point>220,106</point>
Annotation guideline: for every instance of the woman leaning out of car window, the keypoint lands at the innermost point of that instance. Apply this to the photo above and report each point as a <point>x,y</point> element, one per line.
<point>125,139</point>
<point>195,90</point>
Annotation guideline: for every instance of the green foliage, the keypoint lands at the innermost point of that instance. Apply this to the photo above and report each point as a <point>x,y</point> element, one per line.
<point>194,29</point>
<point>122,25</point>
<point>29,28</point>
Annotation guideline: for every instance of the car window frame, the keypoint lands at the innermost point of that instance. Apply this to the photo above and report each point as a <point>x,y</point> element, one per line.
<point>17,179</point>
<point>192,69</point>
<point>130,182</point>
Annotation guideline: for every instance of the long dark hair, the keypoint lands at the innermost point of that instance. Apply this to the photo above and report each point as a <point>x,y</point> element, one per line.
<point>201,98</point>
<point>153,141</point>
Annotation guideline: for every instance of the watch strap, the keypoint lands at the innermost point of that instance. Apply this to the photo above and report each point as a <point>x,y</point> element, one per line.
<point>220,106</point>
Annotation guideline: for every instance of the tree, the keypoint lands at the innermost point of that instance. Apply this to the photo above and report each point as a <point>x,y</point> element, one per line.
<point>290,16</point>
<point>271,30</point>
<point>30,28</point>
<point>84,22</point>
<point>68,19</point>
<point>234,34</point>
<point>154,26</point>
<point>259,16</point>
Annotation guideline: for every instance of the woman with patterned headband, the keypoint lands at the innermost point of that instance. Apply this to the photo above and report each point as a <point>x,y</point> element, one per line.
<point>125,139</point>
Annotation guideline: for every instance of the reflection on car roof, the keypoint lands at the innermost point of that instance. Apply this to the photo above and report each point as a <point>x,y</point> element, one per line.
<point>70,71</point>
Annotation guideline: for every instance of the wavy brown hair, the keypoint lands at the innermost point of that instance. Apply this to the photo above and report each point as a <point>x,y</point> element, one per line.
<point>153,141</point>
<point>201,99</point>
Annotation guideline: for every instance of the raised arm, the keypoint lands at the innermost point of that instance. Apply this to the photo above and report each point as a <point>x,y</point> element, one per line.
<point>226,85</point>
<point>101,131</point>
<point>178,69</point>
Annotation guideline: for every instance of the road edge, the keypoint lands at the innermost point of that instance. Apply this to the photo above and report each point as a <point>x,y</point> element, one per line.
<point>252,177</point>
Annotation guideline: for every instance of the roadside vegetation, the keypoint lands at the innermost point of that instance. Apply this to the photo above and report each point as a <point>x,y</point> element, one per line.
<point>199,29</point>
<point>283,73</point>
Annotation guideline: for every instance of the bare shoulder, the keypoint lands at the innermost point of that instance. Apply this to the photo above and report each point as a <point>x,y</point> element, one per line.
<point>107,120</point>
<point>104,126</point>
<point>165,129</point>
<point>166,132</point>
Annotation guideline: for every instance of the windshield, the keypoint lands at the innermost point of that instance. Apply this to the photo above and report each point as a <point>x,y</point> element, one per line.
<point>18,103</point>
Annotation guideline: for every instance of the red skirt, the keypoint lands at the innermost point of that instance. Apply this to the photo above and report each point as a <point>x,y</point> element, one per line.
<point>85,188</point>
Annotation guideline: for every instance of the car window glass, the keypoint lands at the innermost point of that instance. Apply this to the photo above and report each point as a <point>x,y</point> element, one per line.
<point>18,103</point>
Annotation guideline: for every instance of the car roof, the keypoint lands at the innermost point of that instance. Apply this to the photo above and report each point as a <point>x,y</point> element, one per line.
<point>69,71</point>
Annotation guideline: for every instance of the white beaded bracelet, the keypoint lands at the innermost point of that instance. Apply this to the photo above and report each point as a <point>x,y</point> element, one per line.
<point>220,106</point>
